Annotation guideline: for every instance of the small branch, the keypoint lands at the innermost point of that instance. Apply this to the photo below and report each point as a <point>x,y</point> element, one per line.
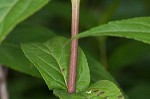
<point>104,18</point>
<point>103,51</point>
<point>3,86</point>
<point>74,47</point>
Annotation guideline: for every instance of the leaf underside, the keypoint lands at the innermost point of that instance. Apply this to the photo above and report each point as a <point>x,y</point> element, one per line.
<point>52,60</point>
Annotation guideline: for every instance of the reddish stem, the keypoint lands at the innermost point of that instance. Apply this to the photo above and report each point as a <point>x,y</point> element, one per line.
<point>74,47</point>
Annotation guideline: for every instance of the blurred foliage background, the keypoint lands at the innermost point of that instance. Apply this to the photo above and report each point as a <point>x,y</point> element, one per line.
<point>127,60</point>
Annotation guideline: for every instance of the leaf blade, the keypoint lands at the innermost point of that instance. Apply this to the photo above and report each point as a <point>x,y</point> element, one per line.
<point>11,16</point>
<point>54,56</point>
<point>136,28</point>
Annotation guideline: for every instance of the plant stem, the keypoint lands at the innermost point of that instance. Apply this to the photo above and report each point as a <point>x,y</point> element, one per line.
<point>3,86</point>
<point>74,47</point>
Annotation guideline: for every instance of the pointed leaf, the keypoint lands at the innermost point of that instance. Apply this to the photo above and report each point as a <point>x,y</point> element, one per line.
<point>13,12</point>
<point>52,60</point>
<point>136,28</point>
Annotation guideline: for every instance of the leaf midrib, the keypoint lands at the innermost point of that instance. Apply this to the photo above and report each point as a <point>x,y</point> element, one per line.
<point>44,69</point>
<point>62,49</point>
<point>133,22</point>
<point>54,58</point>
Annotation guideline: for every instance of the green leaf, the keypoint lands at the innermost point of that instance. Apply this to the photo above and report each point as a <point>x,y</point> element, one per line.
<point>103,89</point>
<point>136,28</point>
<point>13,12</point>
<point>10,50</point>
<point>52,60</point>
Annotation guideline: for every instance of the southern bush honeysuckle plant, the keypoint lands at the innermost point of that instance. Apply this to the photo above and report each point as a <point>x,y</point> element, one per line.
<point>66,69</point>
